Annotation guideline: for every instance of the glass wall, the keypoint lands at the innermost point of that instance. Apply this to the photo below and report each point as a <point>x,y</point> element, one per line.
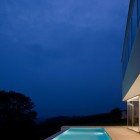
<point>133,114</point>
<point>138,10</point>
<point>129,42</point>
<point>131,30</point>
<point>134,21</point>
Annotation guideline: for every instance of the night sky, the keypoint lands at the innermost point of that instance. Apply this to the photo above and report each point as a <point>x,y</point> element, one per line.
<point>64,54</point>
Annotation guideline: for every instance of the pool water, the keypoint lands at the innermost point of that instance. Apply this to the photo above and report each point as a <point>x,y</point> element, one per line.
<point>83,134</point>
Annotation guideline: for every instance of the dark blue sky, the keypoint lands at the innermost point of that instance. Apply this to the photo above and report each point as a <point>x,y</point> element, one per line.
<point>64,54</point>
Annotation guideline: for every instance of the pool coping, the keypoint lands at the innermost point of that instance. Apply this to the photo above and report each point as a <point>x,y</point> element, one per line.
<point>56,134</point>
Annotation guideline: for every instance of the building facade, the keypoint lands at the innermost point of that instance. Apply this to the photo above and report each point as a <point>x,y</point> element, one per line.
<point>131,66</point>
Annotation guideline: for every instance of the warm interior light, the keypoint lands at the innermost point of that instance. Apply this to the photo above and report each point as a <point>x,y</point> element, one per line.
<point>134,98</point>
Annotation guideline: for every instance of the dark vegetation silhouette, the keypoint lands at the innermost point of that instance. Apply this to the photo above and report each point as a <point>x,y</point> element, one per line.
<point>53,125</point>
<point>116,114</point>
<point>18,119</point>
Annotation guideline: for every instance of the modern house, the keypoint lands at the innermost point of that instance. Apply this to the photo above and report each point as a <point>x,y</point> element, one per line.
<point>131,66</point>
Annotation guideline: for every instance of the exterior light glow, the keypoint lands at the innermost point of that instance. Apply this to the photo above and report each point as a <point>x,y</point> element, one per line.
<point>135,98</point>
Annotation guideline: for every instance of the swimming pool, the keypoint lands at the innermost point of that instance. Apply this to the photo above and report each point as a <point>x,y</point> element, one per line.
<point>83,134</point>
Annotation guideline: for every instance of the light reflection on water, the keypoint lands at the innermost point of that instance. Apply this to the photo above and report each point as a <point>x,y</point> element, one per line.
<point>83,134</point>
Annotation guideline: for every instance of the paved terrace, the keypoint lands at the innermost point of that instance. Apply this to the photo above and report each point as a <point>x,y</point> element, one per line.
<point>122,133</point>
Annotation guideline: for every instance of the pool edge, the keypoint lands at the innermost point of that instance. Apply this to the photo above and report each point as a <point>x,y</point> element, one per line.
<point>65,128</point>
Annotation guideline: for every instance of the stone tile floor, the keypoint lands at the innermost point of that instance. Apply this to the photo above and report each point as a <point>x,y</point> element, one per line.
<point>122,133</point>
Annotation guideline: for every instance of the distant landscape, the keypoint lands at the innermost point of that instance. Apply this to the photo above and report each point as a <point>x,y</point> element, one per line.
<point>18,119</point>
<point>51,126</point>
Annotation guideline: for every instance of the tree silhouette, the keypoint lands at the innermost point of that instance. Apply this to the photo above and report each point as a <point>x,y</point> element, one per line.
<point>116,113</point>
<point>16,114</point>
